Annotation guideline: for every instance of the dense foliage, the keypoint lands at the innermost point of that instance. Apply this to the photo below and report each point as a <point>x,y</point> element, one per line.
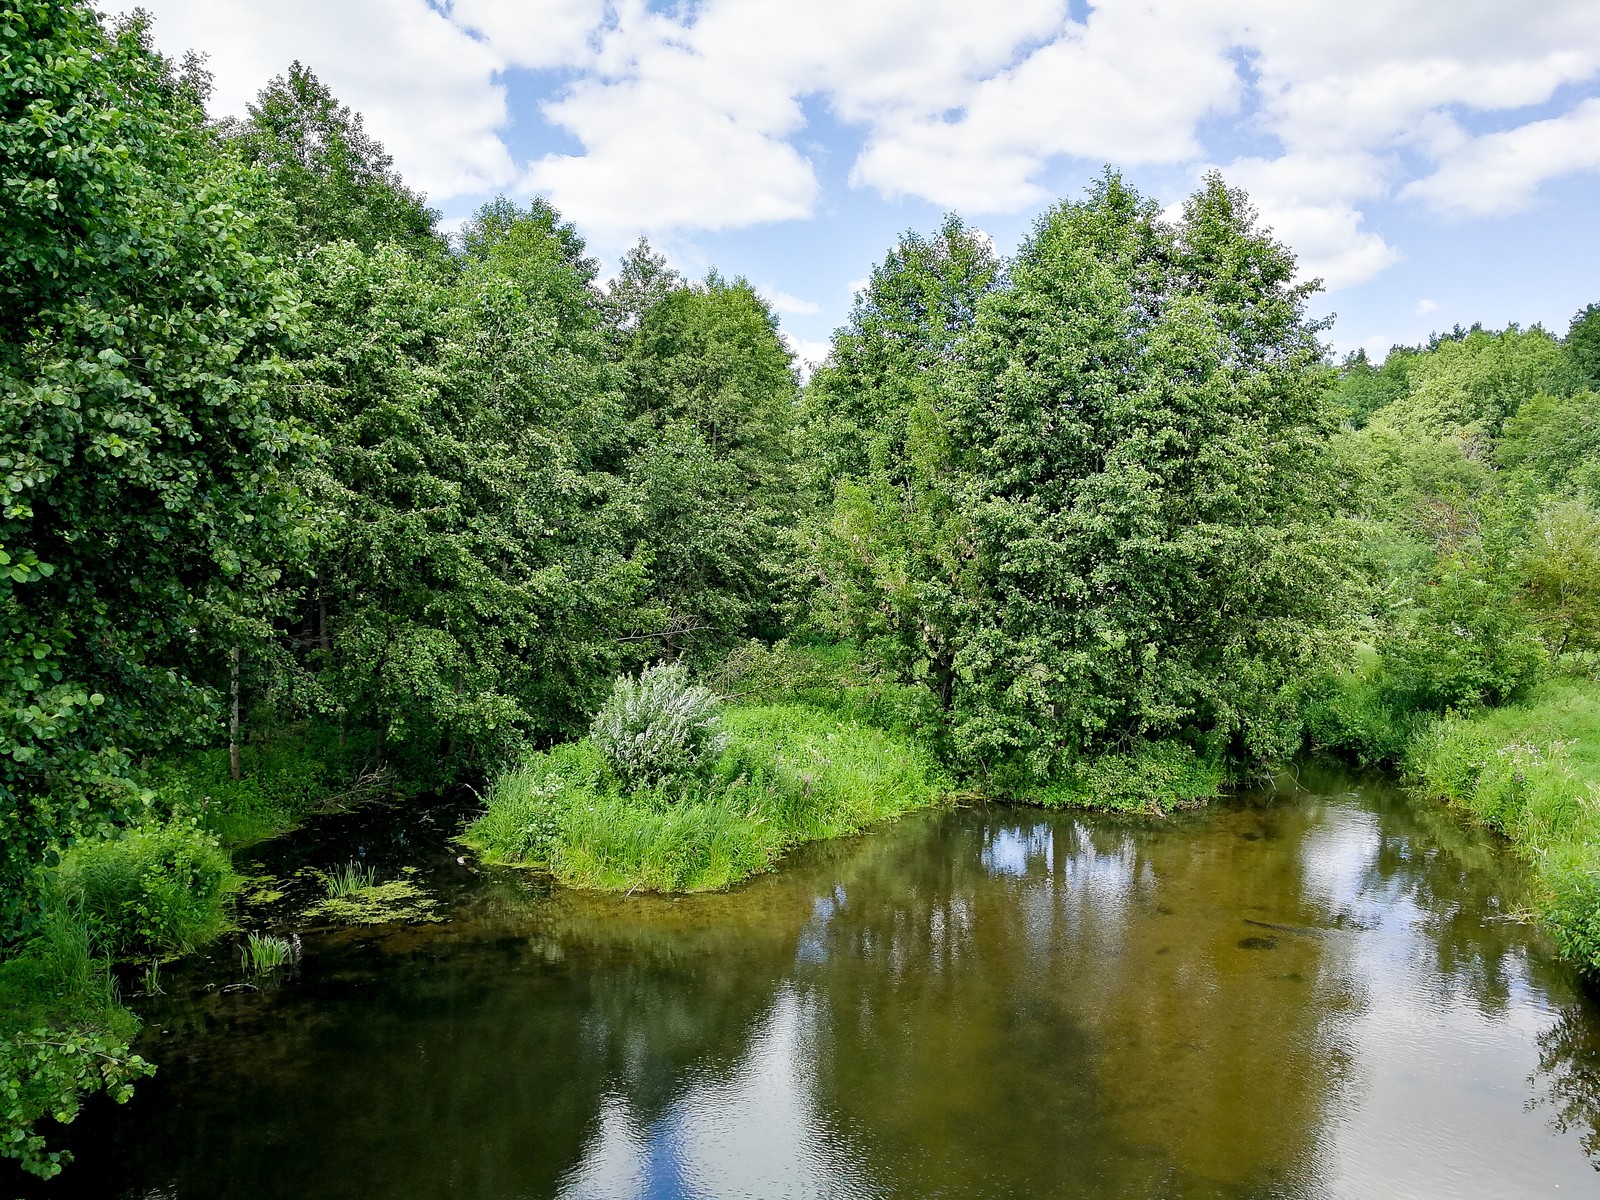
<point>304,501</point>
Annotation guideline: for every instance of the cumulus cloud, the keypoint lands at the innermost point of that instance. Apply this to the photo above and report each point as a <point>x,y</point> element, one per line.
<point>693,117</point>
<point>786,304</point>
<point>1501,172</point>
<point>1424,307</point>
<point>425,87</point>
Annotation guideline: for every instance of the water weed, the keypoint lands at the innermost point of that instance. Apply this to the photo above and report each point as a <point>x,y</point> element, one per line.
<point>267,952</point>
<point>348,879</point>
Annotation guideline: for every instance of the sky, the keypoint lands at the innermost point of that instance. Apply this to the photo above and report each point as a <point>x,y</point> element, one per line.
<point>1434,162</point>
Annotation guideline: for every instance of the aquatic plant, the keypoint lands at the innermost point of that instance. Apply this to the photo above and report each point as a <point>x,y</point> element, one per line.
<point>265,952</point>
<point>658,727</point>
<point>348,879</point>
<point>151,979</point>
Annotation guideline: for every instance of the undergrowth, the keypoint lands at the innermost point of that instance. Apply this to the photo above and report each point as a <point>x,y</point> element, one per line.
<point>788,774</point>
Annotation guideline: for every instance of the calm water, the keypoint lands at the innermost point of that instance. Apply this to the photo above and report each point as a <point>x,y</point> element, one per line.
<point>1314,993</point>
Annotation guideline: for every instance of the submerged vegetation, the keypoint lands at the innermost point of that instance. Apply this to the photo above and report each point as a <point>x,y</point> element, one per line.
<point>307,502</point>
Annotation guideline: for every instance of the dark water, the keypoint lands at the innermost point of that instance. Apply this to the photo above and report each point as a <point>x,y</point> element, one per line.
<point>1306,994</point>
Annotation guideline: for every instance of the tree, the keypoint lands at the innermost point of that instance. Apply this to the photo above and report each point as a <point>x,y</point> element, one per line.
<point>1561,571</point>
<point>1469,386</point>
<point>144,451</point>
<point>1583,346</point>
<point>468,584</point>
<point>336,180</point>
<point>710,393</point>
<point>643,278</point>
<point>1143,419</point>
<point>890,547</point>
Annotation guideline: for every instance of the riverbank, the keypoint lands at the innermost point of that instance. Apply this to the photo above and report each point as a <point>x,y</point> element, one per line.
<point>1529,770</point>
<point>788,774</point>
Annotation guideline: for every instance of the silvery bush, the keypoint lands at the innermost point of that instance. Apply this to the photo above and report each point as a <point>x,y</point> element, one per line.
<point>658,727</point>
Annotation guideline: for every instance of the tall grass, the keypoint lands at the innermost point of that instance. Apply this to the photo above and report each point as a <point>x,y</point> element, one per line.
<point>788,774</point>
<point>1532,772</point>
<point>348,879</point>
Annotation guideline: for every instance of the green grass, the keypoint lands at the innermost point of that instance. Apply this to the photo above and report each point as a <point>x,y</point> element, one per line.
<point>789,774</point>
<point>1532,772</point>
<point>265,952</point>
<point>352,877</point>
<point>297,775</point>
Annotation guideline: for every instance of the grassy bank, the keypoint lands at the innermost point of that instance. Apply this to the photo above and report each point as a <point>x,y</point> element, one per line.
<point>788,774</point>
<point>1532,772</point>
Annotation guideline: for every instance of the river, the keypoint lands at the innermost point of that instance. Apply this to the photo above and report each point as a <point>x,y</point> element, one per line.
<point>1319,991</point>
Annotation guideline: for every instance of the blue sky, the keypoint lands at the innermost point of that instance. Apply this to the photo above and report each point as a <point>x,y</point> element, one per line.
<point>1435,163</point>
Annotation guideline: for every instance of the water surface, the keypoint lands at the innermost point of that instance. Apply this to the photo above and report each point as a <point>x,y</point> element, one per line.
<point>1319,992</point>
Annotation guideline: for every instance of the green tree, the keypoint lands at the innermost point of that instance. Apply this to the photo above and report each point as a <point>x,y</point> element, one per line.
<point>143,449</point>
<point>891,545</point>
<point>710,392</point>
<point>337,181</point>
<point>1469,386</point>
<point>1583,346</point>
<point>468,585</point>
<point>1561,571</point>
<point>1143,410</point>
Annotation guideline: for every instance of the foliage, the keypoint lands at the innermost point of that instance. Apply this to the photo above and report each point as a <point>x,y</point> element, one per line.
<point>1152,778</point>
<point>1583,346</point>
<point>1553,444</point>
<point>1144,411</point>
<point>1465,641</point>
<point>710,397</point>
<point>1470,387</point>
<point>657,728</point>
<point>1561,572</point>
<point>63,1036</point>
<point>891,553</point>
<point>1532,772</point>
<point>788,774</point>
<point>337,181</point>
<point>265,952</point>
<point>144,458</point>
<point>351,877</point>
<point>153,889</point>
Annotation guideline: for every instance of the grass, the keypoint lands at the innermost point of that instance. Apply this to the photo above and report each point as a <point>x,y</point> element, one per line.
<point>265,952</point>
<point>789,774</point>
<point>349,879</point>
<point>299,774</point>
<point>1531,771</point>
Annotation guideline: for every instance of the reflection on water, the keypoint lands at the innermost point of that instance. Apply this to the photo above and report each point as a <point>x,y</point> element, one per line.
<point>1308,994</point>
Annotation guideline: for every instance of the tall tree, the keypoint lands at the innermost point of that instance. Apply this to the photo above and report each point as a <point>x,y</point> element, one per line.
<point>711,393</point>
<point>890,546</point>
<point>142,445</point>
<point>1143,414</point>
<point>337,181</point>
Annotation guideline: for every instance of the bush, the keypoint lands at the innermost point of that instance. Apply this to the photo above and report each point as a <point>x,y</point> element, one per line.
<point>153,890</point>
<point>1152,778</point>
<point>1467,642</point>
<point>657,728</point>
<point>1352,715</point>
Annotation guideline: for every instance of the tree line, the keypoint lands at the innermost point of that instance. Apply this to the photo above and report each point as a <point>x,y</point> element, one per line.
<point>277,452</point>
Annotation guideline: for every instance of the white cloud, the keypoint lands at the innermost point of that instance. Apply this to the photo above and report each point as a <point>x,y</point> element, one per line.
<point>1501,172</point>
<point>425,88</point>
<point>783,302</point>
<point>692,118</point>
<point>809,355</point>
<point>1424,307</point>
<point>531,33</point>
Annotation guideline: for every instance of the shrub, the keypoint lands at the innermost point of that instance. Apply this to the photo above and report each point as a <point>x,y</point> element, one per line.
<point>1151,778</point>
<point>151,890</point>
<point>657,728</point>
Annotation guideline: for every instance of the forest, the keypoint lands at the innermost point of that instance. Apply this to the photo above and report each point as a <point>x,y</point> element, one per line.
<point>308,504</point>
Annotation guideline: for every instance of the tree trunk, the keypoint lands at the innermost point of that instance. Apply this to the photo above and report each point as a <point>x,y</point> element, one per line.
<point>233,718</point>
